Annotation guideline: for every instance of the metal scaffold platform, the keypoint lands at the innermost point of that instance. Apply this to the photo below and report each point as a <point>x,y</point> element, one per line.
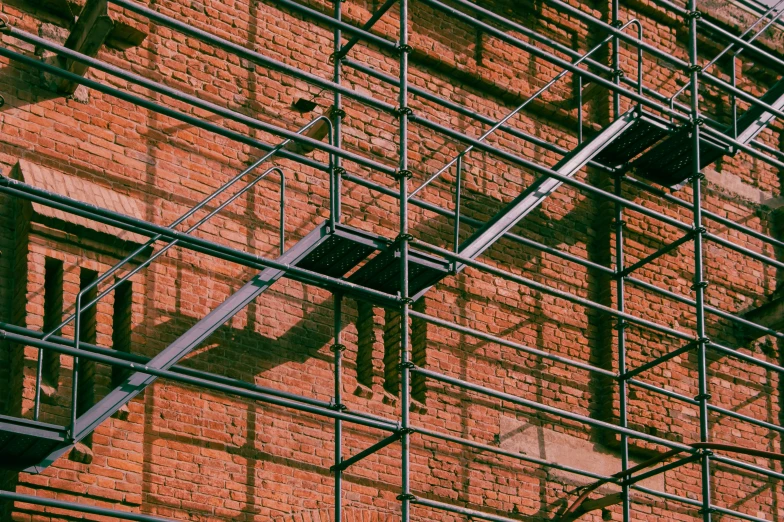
<point>654,137</point>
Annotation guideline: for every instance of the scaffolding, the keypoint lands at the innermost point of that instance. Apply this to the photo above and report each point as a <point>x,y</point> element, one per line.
<point>666,140</point>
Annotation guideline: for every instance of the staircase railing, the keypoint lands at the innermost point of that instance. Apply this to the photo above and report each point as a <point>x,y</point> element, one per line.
<point>79,308</point>
<point>733,73</point>
<point>458,160</point>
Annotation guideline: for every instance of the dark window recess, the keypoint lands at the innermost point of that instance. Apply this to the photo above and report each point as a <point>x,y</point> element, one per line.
<point>121,328</point>
<point>418,343</point>
<point>85,382</point>
<point>53,316</point>
<point>418,352</point>
<point>392,352</point>
<point>366,338</point>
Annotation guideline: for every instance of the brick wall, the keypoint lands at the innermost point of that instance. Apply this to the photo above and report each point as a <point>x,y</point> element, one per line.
<point>192,454</point>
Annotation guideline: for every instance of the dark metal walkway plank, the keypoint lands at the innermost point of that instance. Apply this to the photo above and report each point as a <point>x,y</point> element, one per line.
<point>24,443</point>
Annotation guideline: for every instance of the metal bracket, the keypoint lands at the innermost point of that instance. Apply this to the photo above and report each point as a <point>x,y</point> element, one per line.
<point>338,113</point>
<point>698,122</point>
<point>403,174</point>
<point>408,365</point>
<point>400,111</point>
<point>338,347</point>
<point>617,24</point>
<point>622,325</point>
<point>406,496</point>
<point>693,14</point>
<point>337,407</point>
<point>695,68</point>
<point>404,49</point>
<point>618,73</point>
<point>406,237</point>
<point>700,284</point>
<point>340,171</point>
<point>706,396</point>
<point>704,340</point>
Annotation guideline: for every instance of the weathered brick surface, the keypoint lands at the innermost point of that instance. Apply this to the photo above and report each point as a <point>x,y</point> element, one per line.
<point>193,454</point>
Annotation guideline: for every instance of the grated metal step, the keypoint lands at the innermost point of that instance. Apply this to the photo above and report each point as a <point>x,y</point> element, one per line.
<point>643,133</point>
<point>337,254</point>
<point>383,272</point>
<point>670,162</point>
<point>25,443</point>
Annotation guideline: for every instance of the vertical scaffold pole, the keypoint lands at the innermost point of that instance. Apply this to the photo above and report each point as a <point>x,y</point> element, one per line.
<point>336,170</point>
<point>616,60</point>
<point>699,282</point>
<point>338,348</point>
<point>619,283</point>
<point>403,239</point>
<point>623,388</point>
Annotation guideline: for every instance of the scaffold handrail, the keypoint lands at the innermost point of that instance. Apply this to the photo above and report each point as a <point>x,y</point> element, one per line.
<point>197,244</point>
<point>522,106</point>
<point>79,309</point>
<point>732,45</point>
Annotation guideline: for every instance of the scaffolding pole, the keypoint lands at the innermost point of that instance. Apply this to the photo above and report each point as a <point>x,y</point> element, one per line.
<point>403,176</point>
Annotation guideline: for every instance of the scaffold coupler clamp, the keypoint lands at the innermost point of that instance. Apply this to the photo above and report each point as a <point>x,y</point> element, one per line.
<point>696,14</point>
<point>699,176</point>
<point>700,284</point>
<point>403,174</point>
<point>341,172</point>
<point>334,405</point>
<point>338,348</point>
<point>706,452</point>
<point>405,237</point>
<point>406,496</point>
<point>404,49</point>
<point>406,301</point>
<point>404,111</point>
<point>407,365</point>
